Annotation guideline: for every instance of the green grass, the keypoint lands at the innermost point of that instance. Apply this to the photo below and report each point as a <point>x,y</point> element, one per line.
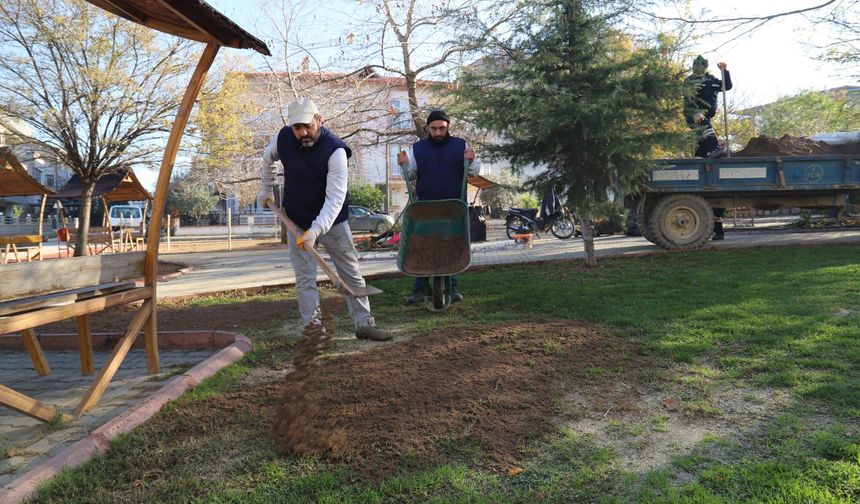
<point>783,319</point>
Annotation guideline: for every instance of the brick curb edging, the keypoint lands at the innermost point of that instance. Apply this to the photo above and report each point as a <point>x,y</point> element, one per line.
<point>99,440</point>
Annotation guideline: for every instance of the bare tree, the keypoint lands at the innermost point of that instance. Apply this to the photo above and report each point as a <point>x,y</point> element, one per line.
<point>427,41</point>
<point>96,90</point>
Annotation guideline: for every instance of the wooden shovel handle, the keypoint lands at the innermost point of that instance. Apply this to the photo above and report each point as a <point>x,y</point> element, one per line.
<point>297,232</point>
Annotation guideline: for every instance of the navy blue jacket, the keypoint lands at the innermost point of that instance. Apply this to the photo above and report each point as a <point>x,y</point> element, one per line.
<point>305,172</point>
<point>439,168</point>
<point>702,95</point>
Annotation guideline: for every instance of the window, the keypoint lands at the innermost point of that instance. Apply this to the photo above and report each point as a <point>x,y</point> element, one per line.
<point>50,180</point>
<point>400,114</point>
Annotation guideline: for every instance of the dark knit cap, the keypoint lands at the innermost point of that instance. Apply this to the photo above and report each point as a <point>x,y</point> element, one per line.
<point>438,115</point>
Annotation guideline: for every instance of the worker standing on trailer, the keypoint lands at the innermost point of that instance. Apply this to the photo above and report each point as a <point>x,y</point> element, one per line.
<point>700,106</point>
<point>315,198</point>
<point>437,163</point>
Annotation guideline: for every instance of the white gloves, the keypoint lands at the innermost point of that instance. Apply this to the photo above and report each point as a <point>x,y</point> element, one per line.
<point>268,179</point>
<point>307,240</point>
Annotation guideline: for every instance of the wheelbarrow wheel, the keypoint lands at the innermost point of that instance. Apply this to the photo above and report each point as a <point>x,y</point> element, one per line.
<point>438,293</point>
<point>441,292</point>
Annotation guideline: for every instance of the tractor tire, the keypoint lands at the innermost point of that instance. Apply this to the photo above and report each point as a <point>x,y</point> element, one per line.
<point>645,218</point>
<point>681,221</point>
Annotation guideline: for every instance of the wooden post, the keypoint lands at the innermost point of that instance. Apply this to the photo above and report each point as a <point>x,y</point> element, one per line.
<point>31,343</point>
<point>229,230</point>
<point>41,224</point>
<point>28,406</point>
<point>119,352</point>
<point>160,201</point>
<point>85,344</point>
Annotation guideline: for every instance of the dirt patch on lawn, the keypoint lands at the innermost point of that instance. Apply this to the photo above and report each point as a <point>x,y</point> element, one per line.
<point>497,387</point>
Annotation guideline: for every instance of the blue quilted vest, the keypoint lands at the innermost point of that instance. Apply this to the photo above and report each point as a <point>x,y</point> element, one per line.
<point>440,169</point>
<point>305,172</point>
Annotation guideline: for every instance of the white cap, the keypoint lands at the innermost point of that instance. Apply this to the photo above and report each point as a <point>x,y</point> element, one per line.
<point>301,111</point>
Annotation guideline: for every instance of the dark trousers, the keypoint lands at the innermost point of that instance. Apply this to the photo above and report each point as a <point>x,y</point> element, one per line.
<point>707,142</point>
<point>718,220</point>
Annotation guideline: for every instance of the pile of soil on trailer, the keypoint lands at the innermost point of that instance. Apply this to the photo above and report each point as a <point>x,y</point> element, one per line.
<point>787,145</point>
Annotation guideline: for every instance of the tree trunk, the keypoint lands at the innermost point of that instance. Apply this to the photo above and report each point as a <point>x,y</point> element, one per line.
<point>588,242</point>
<point>84,219</point>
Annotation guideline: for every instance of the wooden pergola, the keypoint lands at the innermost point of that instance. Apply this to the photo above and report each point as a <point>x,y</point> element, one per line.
<point>37,293</point>
<point>15,181</point>
<point>110,188</point>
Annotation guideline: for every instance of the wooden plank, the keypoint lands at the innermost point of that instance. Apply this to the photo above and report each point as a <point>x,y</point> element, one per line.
<point>153,361</point>
<point>34,350</point>
<point>110,367</point>
<point>56,298</point>
<point>20,239</point>
<point>17,323</point>
<point>85,345</point>
<point>27,405</point>
<point>37,278</point>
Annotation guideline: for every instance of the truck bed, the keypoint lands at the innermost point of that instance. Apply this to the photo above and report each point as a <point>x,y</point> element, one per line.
<point>759,174</point>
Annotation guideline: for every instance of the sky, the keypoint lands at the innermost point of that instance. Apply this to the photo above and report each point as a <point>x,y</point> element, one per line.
<point>773,61</point>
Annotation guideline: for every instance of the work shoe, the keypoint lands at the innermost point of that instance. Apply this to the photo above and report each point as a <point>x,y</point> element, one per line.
<point>456,297</point>
<point>373,333</point>
<point>415,298</point>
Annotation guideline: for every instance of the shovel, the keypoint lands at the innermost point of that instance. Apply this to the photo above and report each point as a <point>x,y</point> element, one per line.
<point>341,286</point>
<point>725,111</point>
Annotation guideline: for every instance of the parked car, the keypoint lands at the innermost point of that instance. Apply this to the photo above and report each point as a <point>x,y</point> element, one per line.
<point>363,219</point>
<point>125,216</point>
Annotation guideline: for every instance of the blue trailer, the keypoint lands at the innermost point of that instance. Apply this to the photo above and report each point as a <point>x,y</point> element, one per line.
<point>676,207</point>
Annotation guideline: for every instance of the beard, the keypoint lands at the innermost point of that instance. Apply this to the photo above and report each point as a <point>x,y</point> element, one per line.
<point>440,141</point>
<point>307,142</point>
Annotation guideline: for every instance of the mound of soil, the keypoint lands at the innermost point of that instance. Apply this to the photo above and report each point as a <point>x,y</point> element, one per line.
<point>788,145</point>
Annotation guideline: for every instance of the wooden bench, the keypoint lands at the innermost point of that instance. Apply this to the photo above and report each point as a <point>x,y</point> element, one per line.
<point>11,247</point>
<point>38,293</point>
<point>99,240</point>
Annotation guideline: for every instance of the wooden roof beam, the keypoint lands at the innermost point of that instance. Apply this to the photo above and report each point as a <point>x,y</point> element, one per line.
<point>131,12</point>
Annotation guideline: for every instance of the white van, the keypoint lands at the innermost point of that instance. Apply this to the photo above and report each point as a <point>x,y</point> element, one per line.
<point>125,216</point>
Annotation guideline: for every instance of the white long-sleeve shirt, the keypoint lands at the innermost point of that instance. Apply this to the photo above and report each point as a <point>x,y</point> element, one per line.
<point>335,188</point>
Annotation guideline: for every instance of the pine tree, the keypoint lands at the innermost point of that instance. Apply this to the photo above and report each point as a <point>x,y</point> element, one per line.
<point>574,95</point>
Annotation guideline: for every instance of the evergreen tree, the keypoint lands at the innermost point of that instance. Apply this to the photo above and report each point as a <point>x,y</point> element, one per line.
<point>574,95</point>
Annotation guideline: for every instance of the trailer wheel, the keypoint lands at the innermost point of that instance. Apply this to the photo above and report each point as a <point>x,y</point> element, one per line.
<point>681,221</point>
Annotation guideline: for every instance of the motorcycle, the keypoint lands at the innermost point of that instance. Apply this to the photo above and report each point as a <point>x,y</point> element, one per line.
<point>553,218</point>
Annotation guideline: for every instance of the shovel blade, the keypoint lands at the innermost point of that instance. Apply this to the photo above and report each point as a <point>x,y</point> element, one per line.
<point>367,290</point>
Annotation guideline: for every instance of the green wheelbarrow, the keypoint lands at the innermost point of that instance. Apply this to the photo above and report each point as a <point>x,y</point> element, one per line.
<point>434,242</point>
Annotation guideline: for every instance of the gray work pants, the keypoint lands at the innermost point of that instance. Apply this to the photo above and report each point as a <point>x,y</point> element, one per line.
<point>339,246</point>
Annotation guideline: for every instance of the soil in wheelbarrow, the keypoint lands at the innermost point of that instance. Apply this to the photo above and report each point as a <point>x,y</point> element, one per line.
<point>428,255</point>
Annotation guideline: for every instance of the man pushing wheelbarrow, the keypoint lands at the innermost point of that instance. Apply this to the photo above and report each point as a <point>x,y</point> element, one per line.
<point>435,236</point>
